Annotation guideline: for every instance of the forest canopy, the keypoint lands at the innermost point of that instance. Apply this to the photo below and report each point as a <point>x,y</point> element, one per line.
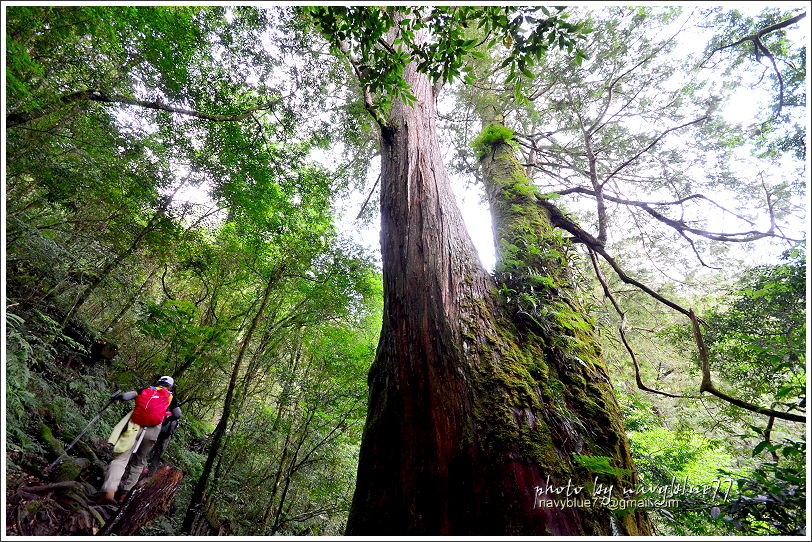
<point>287,209</point>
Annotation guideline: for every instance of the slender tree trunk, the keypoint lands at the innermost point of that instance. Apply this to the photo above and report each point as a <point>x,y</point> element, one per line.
<point>469,412</point>
<point>115,262</point>
<point>289,472</point>
<point>219,432</point>
<point>283,465</point>
<point>131,301</point>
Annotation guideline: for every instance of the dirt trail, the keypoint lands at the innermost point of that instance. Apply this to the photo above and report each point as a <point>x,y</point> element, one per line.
<point>37,508</point>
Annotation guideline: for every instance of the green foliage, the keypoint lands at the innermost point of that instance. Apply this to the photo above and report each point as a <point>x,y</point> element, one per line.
<point>527,33</point>
<point>756,337</point>
<point>46,406</point>
<point>19,399</point>
<point>663,454</point>
<point>771,499</point>
<point>491,135</point>
<point>665,457</point>
<point>599,465</point>
<point>18,352</point>
<point>753,498</point>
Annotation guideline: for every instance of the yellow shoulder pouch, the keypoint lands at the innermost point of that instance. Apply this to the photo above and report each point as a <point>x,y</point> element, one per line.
<point>123,435</point>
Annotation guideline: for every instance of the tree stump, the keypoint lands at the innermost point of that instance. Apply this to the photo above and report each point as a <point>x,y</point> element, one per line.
<point>150,498</point>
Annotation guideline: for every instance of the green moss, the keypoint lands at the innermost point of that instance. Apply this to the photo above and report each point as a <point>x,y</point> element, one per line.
<point>536,442</point>
<point>541,390</point>
<point>84,450</point>
<point>541,410</point>
<point>510,399</point>
<point>70,468</point>
<point>556,387</point>
<point>53,444</point>
<point>525,188</point>
<point>33,507</point>
<point>599,464</point>
<point>513,376</point>
<point>538,369</point>
<point>576,380</point>
<point>569,319</point>
<point>491,135</point>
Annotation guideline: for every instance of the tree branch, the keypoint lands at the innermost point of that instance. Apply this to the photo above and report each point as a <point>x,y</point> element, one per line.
<point>767,434</point>
<point>558,219</point>
<point>593,173</point>
<point>760,49</point>
<point>21,117</point>
<point>648,147</point>
<point>364,206</point>
<point>696,252</point>
<point>707,384</point>
<point>622,328</point>
<point>99,97</point>
<point>681,226</point>
<point>615,199</point>
<point>369,105</point>
<point>764,31</point>
<point>594,127</point>
<point>17,118</point>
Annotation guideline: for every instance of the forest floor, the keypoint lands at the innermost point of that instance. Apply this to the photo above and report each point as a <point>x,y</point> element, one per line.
<point>37,507</point>
<point>55,389</point>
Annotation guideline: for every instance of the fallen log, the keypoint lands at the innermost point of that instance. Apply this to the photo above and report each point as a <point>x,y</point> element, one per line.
<point>150,498</point>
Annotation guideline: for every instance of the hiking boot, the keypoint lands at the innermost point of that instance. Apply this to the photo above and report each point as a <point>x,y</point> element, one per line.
<point>107,499</point>
<point>121,495</point>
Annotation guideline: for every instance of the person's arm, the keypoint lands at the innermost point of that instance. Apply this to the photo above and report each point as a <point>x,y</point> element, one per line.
<point>125,395</point>
<point>175,409</point>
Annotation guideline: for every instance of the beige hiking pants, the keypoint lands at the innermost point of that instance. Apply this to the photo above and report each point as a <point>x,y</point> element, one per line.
<point>117,471</point>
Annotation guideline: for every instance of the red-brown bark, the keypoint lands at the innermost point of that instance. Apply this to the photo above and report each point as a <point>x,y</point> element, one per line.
<point>151,498</point>
<point>418,405</point>
<point>457,429</point>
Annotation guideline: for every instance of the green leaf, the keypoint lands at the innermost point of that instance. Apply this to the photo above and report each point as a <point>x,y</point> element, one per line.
<point>760,447</point>
<point>784,391</point>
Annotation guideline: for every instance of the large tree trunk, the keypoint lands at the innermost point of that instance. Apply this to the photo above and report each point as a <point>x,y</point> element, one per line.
<point>470,410</point>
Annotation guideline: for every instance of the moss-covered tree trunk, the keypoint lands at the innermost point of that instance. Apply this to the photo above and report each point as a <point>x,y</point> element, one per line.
<point>577,400</point>
<point>471,408</point>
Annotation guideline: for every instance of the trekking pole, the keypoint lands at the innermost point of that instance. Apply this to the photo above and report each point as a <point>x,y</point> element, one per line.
<point>94,420</point>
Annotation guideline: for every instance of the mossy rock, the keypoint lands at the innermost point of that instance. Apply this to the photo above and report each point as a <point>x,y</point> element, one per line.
<point>32,507</point>
<point>84,450</point>
<point>70,468</point>
<point>52,444</point>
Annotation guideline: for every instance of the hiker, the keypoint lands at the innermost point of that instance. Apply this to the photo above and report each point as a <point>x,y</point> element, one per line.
<point>135,435</point>
<point>168,428</point>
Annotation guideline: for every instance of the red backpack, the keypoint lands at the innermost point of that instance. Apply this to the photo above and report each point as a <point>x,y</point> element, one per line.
<point>151,405</point>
